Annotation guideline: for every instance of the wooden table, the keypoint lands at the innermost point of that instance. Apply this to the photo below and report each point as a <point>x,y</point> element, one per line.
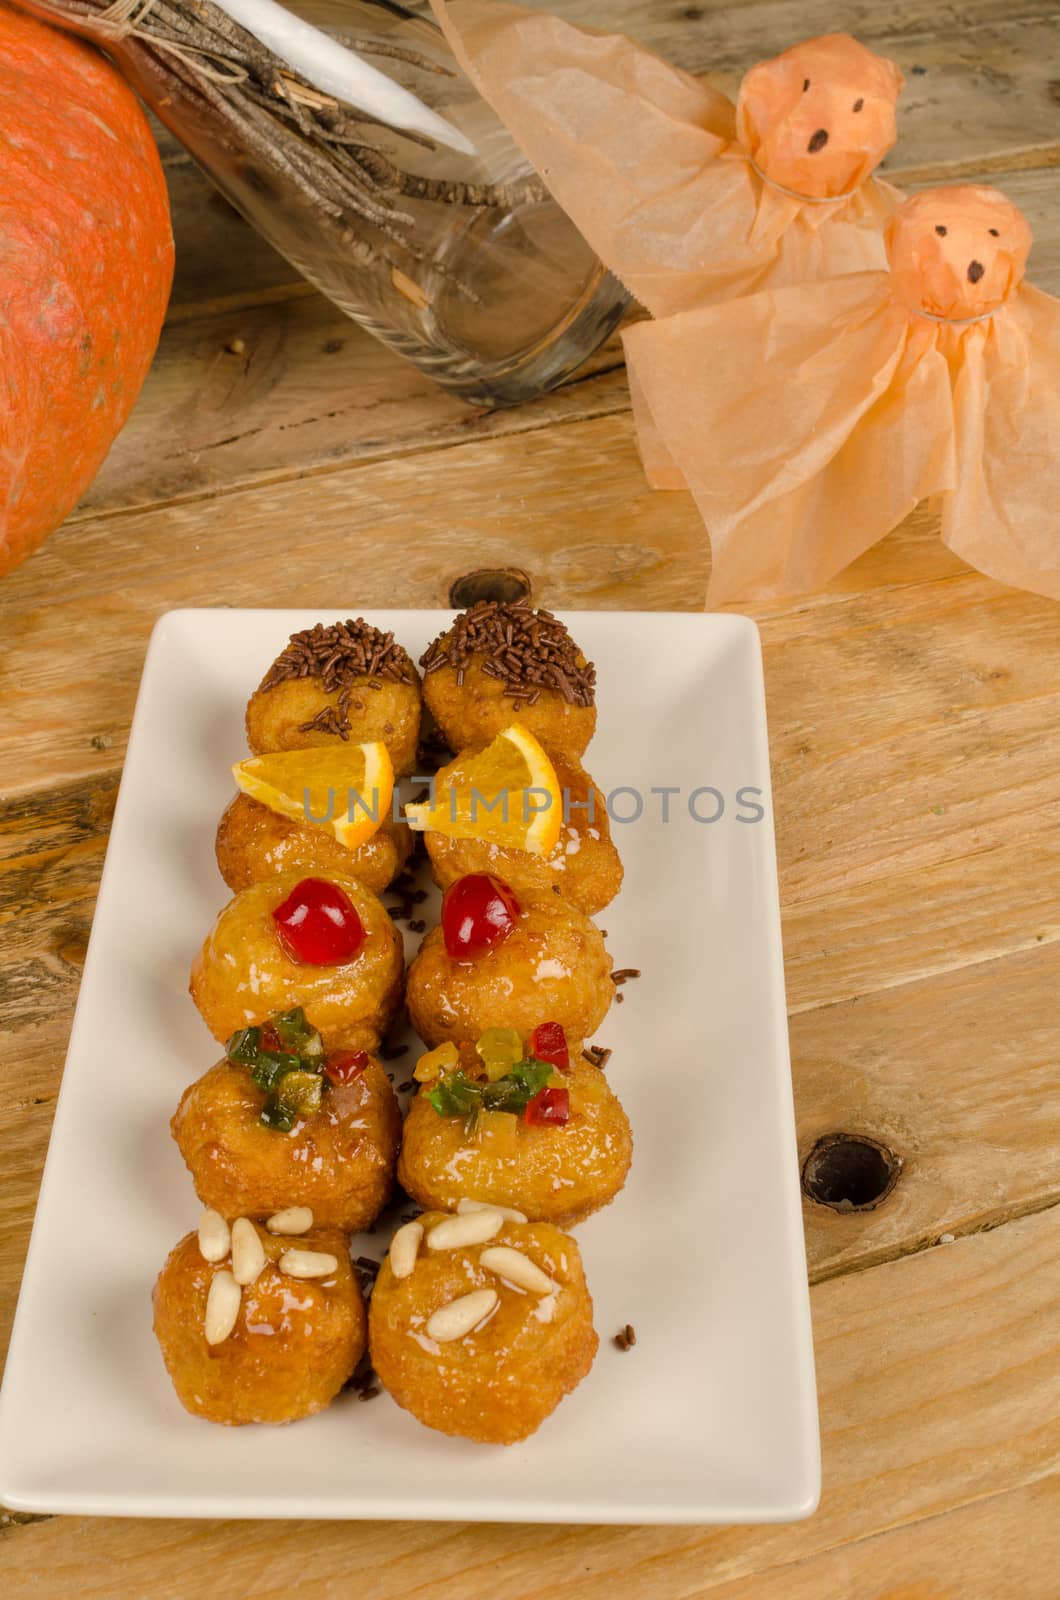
<point>913,709</point>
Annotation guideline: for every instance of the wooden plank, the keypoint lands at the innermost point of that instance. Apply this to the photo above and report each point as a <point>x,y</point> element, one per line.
<point>570,505</point>
<point>1007,1548</point>
<point>564,503</point>
<point>957,1074</point>
<point>920,1415</point>
<point>312,391</point>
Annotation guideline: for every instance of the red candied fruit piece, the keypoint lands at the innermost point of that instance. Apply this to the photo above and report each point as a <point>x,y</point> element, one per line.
<point>344,1066</point>
<point>478,912</point>
<point>548,1042</point>
<point>318,924</point>
<point>549,1108</point>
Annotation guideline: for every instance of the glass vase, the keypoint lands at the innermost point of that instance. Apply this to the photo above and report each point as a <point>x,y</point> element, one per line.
<point>475,274</point>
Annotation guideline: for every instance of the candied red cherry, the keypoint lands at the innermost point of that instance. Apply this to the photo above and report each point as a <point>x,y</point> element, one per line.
<point>551,1106</point>
<point>318,924</point>
<point>344,1066</point>
<point>478,912</point>
<point>548,1042</point>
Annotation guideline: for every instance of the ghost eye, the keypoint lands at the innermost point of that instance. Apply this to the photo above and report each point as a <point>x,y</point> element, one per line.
<point>994,233</point>
<point>805,84</point>
<point>941,231</point>
<point>858,104</point>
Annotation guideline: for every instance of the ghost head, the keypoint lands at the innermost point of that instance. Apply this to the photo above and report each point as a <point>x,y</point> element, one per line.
<point>957,252</point>
<point>820,118</point>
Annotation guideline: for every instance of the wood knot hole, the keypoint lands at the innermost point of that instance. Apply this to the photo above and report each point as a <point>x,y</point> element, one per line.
<point>506,584</point>
<point>850,1172</point>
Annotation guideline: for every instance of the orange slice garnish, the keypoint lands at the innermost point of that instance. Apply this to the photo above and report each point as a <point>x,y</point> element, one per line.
<point>507,794</point>
<point>345,788</point>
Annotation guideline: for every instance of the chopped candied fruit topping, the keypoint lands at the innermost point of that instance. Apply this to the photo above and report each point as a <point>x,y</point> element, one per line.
<point>285,1057</point>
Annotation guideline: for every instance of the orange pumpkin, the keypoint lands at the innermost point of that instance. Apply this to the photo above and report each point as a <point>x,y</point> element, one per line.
<point>86,263</point>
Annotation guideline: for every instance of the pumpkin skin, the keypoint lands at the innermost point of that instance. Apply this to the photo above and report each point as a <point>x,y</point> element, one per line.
<point>86,264</point>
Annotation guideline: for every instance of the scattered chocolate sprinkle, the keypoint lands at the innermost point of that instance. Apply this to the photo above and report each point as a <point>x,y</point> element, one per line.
<point>619,997</point>
<point>596,1055</point>
<point>404,887</point>
<point>407,1087</point>
<point>367,1264</point>
<point>526,650</point>
<point>434,752</point>
<point>417,925</point>
<point>626,1337</point>
<point>364,1381</point>
<point>339,655</point>
<point>392,1052</point>
<point>623,974</point>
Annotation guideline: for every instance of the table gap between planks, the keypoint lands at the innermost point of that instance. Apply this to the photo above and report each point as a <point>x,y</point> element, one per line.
<point>913,708</point>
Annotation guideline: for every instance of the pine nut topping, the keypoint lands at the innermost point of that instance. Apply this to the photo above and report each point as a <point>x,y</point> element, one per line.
<point>248,1252</point>
<point>509,1213</point>
<point>473,1228</point>
<point>222,1307</point>
<point>461,1316</point>
<point>296,1219</point>
<point>214,1236</point>
<point>517,1268</point>
<point>405,1248</point>
<point>308,1264</point>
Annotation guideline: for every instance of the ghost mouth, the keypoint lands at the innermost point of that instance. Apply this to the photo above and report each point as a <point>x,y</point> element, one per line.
<point>818,141</point>
<point>975,271</point>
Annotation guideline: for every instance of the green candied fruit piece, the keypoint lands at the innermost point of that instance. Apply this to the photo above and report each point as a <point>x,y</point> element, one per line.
<point>454,1095</point>
<point>514,1092</point>
<point>243,1046</point>
<point>301,1091</point>
<point>280,1118</point>
<point>501,1049</point>
<point>270,1066</point>
<point>296,1033</point>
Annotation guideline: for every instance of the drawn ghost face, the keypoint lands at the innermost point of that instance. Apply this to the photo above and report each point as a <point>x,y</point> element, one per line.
<point>958,251</point>
<point>820,118</point>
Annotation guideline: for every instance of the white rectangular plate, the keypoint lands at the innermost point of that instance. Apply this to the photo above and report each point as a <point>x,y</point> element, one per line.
<point>712,1417</point>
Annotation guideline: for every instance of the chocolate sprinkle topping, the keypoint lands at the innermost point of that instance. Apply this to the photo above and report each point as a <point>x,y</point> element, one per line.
<point>626,1337</point>
<point>527,650</point>
<point>339,655</point>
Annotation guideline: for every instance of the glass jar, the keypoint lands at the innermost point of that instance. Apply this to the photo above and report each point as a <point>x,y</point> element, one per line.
<point>476,275</point>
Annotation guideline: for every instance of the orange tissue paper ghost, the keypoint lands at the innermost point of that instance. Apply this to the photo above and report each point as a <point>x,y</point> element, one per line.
<point>808,421</point>
<point>684,196</point>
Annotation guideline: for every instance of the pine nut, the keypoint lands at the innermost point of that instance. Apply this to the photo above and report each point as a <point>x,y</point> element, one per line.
<point>308,1264</point>
<point>405,1248</point>
<point>461,1316</point>
<point>475,1227</point>
<point>517,1268</point>
<point>248,1252</point>
<point>509,1213</point>
<point>296,1219</point>
<point>214,1236</point>
<point>222,1307</point>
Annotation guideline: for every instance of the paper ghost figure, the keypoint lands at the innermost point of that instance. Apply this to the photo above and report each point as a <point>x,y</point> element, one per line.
<point>685,197</point>
<point>808,421</point>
